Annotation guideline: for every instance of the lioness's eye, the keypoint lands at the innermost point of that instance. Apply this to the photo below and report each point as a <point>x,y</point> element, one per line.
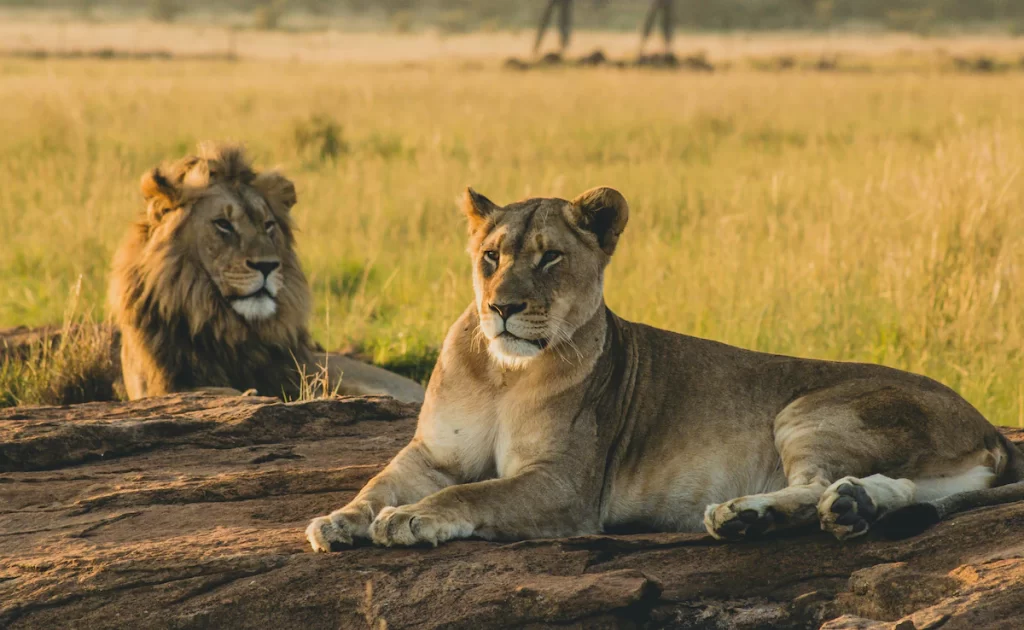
<point>224,226</point>
<point>270,225</point>
<point>491,255</point>
<point>550,257</point>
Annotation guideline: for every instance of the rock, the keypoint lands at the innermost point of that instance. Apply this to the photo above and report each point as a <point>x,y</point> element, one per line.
<point>595,58</point>
<point>658,60</point>
<point>514,63</point>
<point>550,59</point>
<point>188,512</point>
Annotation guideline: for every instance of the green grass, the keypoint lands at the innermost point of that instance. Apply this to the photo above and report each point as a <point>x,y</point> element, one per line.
<point>872,217</point>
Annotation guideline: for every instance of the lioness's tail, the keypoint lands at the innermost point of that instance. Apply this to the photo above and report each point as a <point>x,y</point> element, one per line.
<point>914,519</point>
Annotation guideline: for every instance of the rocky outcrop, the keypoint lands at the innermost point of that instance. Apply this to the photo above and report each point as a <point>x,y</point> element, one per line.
<point>188,512</point>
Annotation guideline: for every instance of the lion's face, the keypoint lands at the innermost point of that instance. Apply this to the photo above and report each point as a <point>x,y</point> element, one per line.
<point>538,269</point>
<point>239,242</point>
<point>216,248</point>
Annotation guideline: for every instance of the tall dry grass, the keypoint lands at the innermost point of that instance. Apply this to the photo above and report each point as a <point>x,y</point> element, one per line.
<point>844,216</point>
<point>70,364</point>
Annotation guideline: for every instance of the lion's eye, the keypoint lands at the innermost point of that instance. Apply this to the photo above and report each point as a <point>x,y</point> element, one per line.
<point>550,257</point>
<point>491,256</point>
<point>224,226</point>
<point>269,225</point>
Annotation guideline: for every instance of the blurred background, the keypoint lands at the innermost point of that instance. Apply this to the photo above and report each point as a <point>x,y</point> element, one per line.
<point>927,17</point>
<point>229,27</point>
<point>828,178</point>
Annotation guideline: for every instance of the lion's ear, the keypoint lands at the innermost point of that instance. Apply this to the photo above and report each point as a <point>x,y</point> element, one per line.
<point>477,208</point>
<point>604,212</point>
<point>160,193</point>
<point>278,190</point>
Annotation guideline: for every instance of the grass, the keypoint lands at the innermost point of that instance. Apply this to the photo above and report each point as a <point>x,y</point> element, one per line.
<point>314,383</point>
<point>74,364</point>
<point>856,216</point>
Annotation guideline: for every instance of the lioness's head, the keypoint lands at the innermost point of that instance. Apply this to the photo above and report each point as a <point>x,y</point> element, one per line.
<point>216,213</point>
<point>538,268</point>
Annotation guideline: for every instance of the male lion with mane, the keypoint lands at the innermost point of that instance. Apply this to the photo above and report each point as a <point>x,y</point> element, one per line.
<point>208,291</point>
<point>547,415</point>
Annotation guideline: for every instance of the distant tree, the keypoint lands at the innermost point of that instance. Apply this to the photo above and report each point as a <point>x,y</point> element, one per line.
<point>564,9</point>
<point>664,9</point>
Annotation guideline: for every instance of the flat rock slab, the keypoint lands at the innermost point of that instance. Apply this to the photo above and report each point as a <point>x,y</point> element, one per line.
<point>188,512</point>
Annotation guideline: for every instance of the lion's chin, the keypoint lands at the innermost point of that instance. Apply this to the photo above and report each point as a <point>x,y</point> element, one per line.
<point>511,352</point>
<point>255,308</point>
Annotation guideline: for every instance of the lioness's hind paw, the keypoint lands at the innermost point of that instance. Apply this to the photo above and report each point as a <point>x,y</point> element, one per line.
<point>846,510</point>
<point>745,517</point>
<point>325,535</point>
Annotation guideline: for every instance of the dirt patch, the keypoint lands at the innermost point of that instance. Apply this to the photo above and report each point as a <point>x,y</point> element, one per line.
<point>188,512</point>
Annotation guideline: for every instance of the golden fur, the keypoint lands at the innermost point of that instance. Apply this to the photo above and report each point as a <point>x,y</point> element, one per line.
<point>208,290</point>
<point>184,266</point>
<point>548,415</point>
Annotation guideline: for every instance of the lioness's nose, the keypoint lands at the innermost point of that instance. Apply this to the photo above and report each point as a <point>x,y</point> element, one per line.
<point>508,310</point>
<point>265,267</point>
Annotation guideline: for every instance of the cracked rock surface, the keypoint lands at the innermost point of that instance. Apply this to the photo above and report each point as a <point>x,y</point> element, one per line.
<point>188,512</point>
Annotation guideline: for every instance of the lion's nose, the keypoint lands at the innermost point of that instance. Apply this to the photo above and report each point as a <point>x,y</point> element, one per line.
<point>508,310</point>
<point>265,267</point>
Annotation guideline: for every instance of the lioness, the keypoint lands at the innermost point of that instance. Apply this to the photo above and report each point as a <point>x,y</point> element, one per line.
<point>208,291</point>
<point>547,415</point>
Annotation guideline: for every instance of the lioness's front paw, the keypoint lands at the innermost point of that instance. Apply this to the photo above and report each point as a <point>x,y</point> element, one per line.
<point>745,517</point>
<point>330,533</point>
<point>408,525</point>
<point>323,533</point>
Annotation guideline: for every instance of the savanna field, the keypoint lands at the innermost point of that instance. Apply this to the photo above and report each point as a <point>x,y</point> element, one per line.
<point>869,215</point>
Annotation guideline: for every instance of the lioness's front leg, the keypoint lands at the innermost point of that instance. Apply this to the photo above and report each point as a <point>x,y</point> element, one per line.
<point>410,476</point>
<point>537,502</point>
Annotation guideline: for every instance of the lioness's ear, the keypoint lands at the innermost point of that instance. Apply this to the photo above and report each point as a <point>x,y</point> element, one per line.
<point>478,209</point>
<point>160,193</point>
<point>604,212</point>
<point>278,190</point>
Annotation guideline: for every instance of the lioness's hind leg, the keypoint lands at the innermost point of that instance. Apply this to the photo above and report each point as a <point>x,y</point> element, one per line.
<point>819,438</point>
<point>850,506</point>
<point>885,445</point>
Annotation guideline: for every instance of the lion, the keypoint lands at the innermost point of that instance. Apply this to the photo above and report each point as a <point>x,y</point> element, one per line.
<point>208,291</point>
<point>547,415</point>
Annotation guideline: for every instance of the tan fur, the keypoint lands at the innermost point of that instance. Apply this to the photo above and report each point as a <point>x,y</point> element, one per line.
<point>196,293</point>
<point>547,415</point>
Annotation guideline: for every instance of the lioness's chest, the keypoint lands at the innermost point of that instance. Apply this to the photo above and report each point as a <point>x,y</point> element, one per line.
<point>516,436</point>
<point>491,436</point>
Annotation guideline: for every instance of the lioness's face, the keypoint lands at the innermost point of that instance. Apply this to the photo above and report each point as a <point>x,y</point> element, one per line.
<point>239,243</point>
<point>538,267</point>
